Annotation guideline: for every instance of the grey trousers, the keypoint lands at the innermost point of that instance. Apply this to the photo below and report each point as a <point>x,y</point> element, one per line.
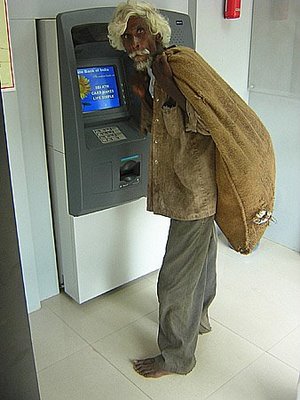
<point>186,287</point>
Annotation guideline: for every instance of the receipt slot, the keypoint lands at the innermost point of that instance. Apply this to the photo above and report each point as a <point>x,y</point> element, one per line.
<point>97,156</point>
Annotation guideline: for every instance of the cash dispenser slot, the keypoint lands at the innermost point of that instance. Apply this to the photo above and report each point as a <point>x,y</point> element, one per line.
<point>130,171</point>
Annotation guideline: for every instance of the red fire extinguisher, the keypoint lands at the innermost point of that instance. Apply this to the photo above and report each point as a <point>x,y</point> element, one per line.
<point>232,9</point>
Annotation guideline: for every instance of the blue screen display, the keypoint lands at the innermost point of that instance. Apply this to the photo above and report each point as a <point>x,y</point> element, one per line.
<point>98,88</point>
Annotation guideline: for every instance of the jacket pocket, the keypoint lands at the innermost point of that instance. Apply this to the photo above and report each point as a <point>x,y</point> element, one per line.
<point>173,120</point>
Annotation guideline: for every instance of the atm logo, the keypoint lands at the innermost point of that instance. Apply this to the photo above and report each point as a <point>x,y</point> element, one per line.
<point>84,86</point>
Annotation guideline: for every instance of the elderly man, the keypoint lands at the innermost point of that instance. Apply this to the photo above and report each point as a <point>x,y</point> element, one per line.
<point>181,186</point>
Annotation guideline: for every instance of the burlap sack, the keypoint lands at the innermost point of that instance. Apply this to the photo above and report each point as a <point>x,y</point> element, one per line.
<point>245,162</point>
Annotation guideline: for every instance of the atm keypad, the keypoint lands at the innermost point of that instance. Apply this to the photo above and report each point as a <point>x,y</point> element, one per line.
<point>109,134</point>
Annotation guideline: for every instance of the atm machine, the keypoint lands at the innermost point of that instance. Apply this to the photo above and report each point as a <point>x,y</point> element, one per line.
<point>97,156</point>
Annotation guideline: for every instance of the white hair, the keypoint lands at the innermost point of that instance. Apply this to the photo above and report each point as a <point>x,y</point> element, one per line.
<point>156,22</point>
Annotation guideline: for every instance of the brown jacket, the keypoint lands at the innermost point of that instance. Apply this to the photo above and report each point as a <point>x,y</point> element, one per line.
<point>181,183</point>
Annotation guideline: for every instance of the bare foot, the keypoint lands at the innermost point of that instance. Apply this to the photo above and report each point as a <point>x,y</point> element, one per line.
<point>149,368</point>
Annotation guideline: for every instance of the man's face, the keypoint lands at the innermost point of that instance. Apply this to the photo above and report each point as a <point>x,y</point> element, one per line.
<point>139,43</point>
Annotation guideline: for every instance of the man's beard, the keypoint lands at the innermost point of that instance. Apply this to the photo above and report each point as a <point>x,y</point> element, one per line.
<point>144,64</point>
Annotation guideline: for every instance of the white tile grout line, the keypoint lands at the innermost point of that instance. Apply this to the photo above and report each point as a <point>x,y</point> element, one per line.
<point>102,337</point>
<point>122,373</point>
<point>99,355</point>
<point>242,370</point>
<point>64,358</point>
<point>237,334</point>
<point>88,344</point>
<point>249,341</point>
<point>283,362</point>
<point>281,340</point>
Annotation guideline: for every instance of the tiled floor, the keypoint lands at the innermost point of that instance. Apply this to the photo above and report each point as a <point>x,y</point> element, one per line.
<point>84,352</point>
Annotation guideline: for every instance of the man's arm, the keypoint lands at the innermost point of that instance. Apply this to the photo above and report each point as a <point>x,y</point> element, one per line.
<point>140,87</point>
<point>139,83</point>
<point>164,77</point>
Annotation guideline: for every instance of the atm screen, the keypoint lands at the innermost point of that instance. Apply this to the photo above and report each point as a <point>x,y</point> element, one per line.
<point>98,88</point>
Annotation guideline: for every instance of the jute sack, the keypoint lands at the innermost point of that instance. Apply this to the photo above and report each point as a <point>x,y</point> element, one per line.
<point>245,162</point>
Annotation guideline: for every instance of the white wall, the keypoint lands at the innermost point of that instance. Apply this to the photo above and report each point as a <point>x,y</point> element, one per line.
<point>28,168</point>
<point>275,96</point>
<point>225,44</point>
<point>49,9</point>
<point>215,39</point>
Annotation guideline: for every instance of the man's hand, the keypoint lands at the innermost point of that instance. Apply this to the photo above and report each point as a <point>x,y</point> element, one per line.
<point>164,77</point>
<point>140,83</point>
<point>162,71</point>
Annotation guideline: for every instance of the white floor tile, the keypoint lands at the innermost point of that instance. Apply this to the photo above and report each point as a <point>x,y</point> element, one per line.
<point>266,379</point>
<point>254,292</point>
<point>52,339</point>
<point>108,313</point>
<point>288,350</point>
<point>86,376</point>
<point>220,355</point>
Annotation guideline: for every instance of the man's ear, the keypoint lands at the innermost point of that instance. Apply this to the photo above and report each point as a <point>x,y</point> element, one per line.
<point>158,38</point>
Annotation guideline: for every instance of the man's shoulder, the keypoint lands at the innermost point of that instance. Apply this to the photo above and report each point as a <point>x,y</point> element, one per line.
<point>182,54</point>
<point>180,50</point>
